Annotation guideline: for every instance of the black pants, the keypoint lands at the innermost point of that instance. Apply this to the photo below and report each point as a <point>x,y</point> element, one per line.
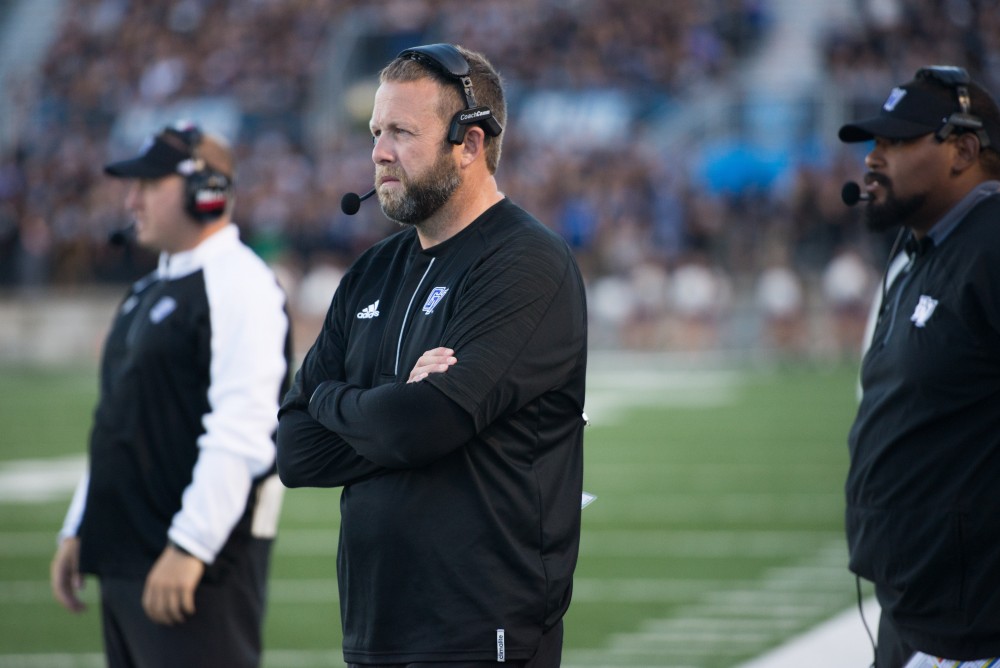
<point>224,631</point>
<point>548,655</point>
<point>892,652</point>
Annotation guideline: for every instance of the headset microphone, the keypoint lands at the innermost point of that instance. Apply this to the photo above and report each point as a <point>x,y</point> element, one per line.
<point>123,236</point>
<point>351,202</point>
<point>851,194</point>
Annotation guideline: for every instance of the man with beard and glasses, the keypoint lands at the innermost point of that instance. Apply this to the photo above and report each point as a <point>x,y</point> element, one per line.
<point>445,394</point>
<point>923,507</point>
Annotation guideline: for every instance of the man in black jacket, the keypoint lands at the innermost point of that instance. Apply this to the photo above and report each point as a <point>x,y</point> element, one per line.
<point>179,508</point>
<point>923,513</point>
<point>445,394</point>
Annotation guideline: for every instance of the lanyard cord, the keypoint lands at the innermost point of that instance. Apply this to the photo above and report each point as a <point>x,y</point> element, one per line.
<point>861,610</point>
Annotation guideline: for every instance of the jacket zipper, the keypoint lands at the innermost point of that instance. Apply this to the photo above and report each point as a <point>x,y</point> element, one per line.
<point>406,315</point>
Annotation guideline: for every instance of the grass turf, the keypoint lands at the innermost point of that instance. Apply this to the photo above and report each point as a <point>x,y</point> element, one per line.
<point>695,502</point>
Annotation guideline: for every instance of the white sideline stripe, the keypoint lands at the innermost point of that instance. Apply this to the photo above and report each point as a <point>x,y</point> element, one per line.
<point>773,613</point>
<point>273,658</point>
<point>733,507</point>
<point>720,640</point>
<point>616,542</point>
<point>698,624</point>
<point>736,620</point>
<point>641,591</point>
<point>39,480</point>
<point>610,395</point>
<point>838,642</point>
<point>316,590</point>
<point>708,543</point>
<point>766,598</point>
<point>600,542</point>
<point>323,590</point>
<point>82,660</point>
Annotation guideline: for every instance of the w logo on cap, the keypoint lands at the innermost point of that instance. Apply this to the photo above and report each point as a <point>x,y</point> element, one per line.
<point>895,97</point>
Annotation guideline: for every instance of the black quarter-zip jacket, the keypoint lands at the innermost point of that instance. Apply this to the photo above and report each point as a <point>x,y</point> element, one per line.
<point>460,514</point>
<point>923,508</point>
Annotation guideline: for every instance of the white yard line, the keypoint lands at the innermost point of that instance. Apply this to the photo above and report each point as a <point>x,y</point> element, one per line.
<point>740,619</point>
<point>40,480</point>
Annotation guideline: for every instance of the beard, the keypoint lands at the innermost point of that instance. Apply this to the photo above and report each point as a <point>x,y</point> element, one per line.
<point>880,217</point>
<point>423,196</point>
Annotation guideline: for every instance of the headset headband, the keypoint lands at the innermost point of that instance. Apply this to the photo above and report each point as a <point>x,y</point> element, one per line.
<point>188,133</point>
<point>958,79</point>
<point>449,61</point>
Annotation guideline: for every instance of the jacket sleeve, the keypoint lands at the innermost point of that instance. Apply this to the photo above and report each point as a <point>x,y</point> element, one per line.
<point>402,425</point>
<point>310,454</point>
<point>248,367</point>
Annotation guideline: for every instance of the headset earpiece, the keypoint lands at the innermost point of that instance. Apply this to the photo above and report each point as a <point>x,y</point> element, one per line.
<point>206,190</point>
<point>475,116</point>
<point>206,194</point>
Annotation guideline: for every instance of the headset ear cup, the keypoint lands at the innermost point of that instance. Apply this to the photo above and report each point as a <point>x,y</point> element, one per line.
<point>207,195</point>
<point>480,116</point>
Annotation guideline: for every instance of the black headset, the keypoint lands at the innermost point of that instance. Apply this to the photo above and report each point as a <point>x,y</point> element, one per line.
<point>207,191</point>
<point>449,61</point>
<point>956,78</point>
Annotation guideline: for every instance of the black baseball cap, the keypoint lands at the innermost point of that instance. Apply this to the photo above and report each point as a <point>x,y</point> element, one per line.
<point>916,108</point>
<point>169,152</point>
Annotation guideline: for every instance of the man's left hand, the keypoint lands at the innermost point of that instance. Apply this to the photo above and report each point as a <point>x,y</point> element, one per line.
<point>432,361</point>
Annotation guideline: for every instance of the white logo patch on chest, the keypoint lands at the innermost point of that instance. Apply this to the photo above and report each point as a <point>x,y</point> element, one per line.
<point>437,294</point>
<point>924,310</point>
<point>162,309</point>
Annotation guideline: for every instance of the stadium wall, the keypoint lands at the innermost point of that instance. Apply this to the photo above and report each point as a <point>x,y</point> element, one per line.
<point>55,327</point>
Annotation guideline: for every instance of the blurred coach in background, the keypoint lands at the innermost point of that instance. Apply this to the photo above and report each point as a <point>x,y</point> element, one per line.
<point>178,511</point>
<point>445,393</point>
<point>923,510</point>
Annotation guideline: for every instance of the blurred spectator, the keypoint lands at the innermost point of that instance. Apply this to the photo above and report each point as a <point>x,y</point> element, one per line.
<point>630,211</point>
<point>848,287</point>
<point>780,297</point>
<point>700,295</point>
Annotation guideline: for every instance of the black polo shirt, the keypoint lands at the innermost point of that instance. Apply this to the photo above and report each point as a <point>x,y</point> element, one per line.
<point>923,512</point>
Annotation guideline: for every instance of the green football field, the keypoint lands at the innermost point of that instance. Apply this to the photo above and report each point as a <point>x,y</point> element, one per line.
<point>716,533</point>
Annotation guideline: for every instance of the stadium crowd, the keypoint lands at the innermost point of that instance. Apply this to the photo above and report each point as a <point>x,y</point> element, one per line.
<point>667,259</point>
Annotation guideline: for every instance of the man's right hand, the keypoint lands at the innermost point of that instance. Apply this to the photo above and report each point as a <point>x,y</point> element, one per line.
<point>65,575</point>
